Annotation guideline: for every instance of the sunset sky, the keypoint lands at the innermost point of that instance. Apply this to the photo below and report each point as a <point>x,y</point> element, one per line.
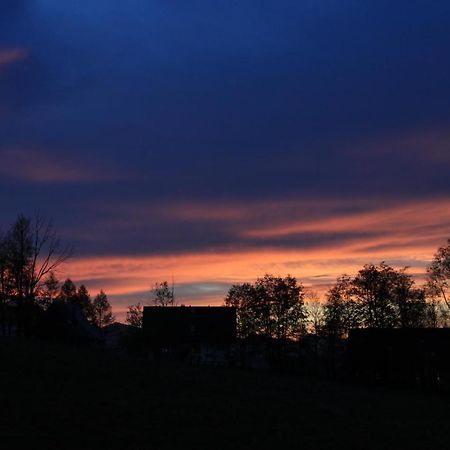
<point>215,141</point>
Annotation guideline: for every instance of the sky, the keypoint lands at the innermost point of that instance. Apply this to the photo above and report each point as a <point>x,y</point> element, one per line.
<point>211,142</point>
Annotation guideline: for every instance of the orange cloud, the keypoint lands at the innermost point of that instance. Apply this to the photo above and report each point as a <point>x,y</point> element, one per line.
<point>399,221</point>
<point>402,234</point>
<point>136,273</point>
<point>269,209</point>
<point>317,268</point>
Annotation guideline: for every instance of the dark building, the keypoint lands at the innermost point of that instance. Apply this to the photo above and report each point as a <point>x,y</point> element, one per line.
<point>189,325</point>
<point>199,334</point>
<point>121,337</point>
<point>415,356</point>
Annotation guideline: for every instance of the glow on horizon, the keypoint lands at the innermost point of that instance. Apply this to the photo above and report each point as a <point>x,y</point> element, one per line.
<point>401,235</point>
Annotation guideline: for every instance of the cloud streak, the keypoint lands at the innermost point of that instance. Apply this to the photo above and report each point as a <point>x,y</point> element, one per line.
<point>271,241</point>
<point>41,167</point>
<point>400,220</point>
<point>11,55</point>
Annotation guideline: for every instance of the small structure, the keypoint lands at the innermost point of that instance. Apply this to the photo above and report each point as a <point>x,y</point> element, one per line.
<point>205,334</point>
<point>66,322</point>
<point>121,337</point>
<point>414,356</point>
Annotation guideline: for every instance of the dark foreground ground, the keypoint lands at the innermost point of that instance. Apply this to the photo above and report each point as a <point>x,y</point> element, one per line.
<point>55,397</point>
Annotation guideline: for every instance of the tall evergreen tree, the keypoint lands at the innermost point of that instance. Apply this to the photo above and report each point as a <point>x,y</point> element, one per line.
<point>68,291</point>
<point>101,311</point>
<point>83,300</point>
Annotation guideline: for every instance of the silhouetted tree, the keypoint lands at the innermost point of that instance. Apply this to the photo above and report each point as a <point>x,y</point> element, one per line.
<point>78,298</point>
<point>443,316</point>
<point>84,302</point>
<point>285,298</point>
<point>68,291</point>
<point>378,297</point>
<point>163,295</point>
<point>31,250</point>
<point>437,314</point>
<point>315,312</point>
<point>34,251</point>
<point>342,313</point>
<point>439,274</point>
<point>410,301</point>
<point>135,315</point>
<point>5,283</point>
<point>52,286</point>
<point>102,311</point>
<point>245,299</point>
<point>273,307</point>
<point>373,290</point>
<point>388,297</point>
<point>50,291</point>
<point>19,255</point>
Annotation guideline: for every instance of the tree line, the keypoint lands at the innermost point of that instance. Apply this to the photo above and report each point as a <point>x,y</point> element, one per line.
<point>30,254</point>
<point>379,296</point>
<point>97,311</point>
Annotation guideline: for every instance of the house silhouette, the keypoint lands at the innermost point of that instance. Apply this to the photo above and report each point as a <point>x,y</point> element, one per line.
<point>183,330</point>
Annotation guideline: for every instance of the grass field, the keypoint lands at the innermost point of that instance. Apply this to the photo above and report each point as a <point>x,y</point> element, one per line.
<point>56,397</point>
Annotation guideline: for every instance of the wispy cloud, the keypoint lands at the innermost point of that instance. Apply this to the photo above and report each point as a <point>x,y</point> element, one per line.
<point>400,219</point>
<point>11,55</point>
<point>428,145</point>
<point>130,278</point>
<point>37,166</point>
<point>400,234</point>
<point>177,227</point>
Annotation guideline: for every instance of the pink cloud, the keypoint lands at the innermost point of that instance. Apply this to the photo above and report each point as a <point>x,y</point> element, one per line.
<point>400,219</point>
<point>11,55</point>
<point>36,166</point>
<point>399,232</point>
<point>428,145</point>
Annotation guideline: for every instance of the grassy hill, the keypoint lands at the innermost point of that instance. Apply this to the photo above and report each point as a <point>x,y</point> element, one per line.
<point>57,397</point>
